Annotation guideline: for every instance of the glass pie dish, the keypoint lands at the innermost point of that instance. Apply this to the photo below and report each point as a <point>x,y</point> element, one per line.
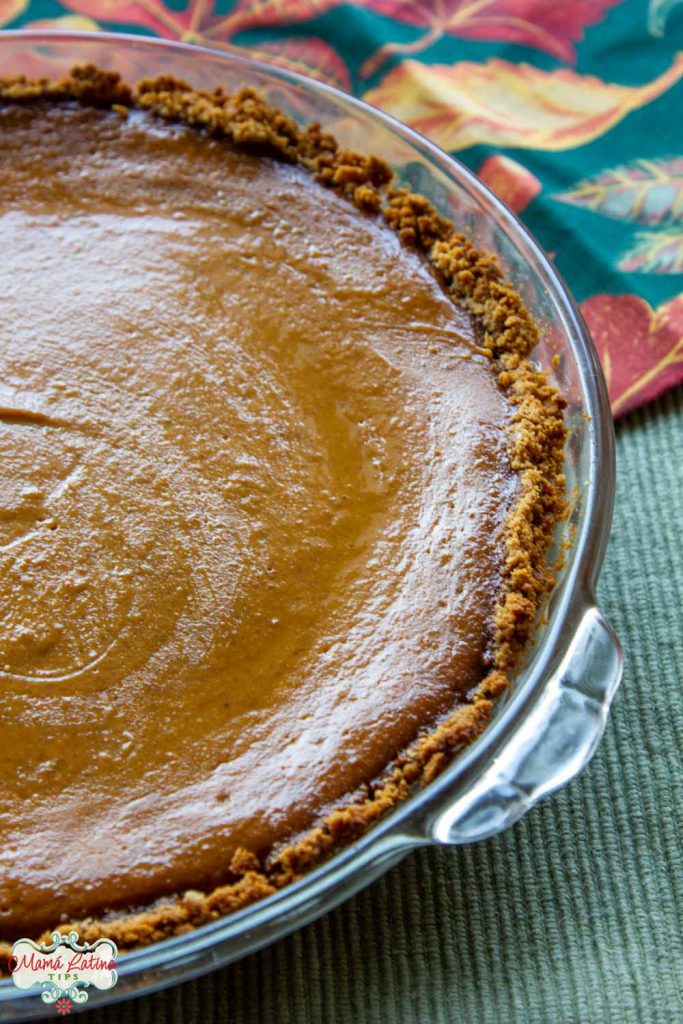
<point>546,728</point>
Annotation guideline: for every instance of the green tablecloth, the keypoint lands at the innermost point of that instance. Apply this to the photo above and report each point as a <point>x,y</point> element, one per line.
<point>574,915</point>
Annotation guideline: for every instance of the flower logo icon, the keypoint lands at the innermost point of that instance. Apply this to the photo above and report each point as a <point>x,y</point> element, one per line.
<point>63,1006</point>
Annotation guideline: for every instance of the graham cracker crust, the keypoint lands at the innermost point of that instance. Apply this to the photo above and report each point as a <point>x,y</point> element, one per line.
<point>536,442</point>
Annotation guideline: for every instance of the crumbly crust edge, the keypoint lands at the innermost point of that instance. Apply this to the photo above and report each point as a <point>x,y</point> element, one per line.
<point>536,448</point>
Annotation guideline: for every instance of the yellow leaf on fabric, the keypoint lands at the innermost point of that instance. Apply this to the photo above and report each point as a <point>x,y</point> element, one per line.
<point>307,56</point>
<point>67,22</point>
<point>504,104</point>
<point>11,9</point>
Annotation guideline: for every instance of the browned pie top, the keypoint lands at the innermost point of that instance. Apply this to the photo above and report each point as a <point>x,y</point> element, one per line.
<point>254,472</point>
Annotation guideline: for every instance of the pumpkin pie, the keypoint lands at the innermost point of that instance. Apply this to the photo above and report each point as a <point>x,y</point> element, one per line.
<point>278,481</point>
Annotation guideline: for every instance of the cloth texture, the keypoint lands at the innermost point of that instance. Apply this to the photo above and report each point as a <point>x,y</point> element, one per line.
<point>571,113</point>
<point>574,915</point>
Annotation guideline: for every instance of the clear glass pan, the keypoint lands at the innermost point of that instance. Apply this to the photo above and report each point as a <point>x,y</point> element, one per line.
<point>547,728</point>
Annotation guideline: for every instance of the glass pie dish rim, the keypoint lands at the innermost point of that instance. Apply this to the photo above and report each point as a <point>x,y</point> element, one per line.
<point>415,821</point>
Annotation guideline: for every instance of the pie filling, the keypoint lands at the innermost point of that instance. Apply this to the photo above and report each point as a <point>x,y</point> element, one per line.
<point>259,483</point>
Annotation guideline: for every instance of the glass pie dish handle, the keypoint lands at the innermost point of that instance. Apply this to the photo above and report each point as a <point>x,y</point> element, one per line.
<point>554,743</point>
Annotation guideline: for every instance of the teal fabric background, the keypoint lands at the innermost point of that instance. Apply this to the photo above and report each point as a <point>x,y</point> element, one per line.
<point>571,917</point>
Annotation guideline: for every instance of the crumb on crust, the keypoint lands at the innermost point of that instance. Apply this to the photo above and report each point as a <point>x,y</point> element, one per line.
<point>537,436</point>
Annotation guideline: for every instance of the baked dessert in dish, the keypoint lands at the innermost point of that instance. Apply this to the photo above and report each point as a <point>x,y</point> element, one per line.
<point>279,479</point>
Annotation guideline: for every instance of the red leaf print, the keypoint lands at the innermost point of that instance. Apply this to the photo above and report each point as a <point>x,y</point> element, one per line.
<point>547,25</point>
<point>511,182</point>
<point>308,56</point>
<point>641,349</point>
<point>151,14</point>
<point>198,23</point>
<point>248,14</point>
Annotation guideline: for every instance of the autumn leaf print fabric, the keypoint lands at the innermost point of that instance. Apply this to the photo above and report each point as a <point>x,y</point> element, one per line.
<point>571,112</point>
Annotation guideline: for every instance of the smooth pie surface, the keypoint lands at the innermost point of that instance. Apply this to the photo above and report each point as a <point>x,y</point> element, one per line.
<point>252,477</point>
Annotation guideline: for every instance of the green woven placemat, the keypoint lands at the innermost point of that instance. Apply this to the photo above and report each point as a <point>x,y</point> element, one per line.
<point>571,917</point>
